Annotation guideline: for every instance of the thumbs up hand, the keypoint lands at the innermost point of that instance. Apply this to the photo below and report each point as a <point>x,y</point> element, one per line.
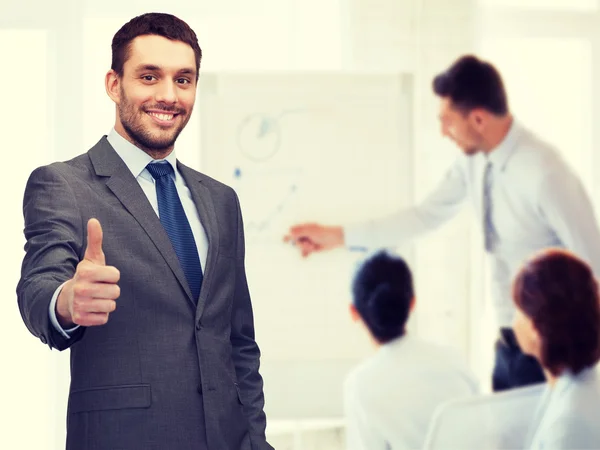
<point>93,251</point>
<point>89,297</point>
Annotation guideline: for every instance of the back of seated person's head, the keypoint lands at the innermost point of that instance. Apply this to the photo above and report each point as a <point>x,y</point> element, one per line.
<point>383,295</point>
<point>558,312</point>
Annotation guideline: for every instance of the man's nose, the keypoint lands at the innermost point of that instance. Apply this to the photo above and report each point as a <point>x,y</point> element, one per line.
<point>166,92</point>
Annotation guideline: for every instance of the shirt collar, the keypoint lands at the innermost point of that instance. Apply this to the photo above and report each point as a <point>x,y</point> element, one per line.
<point>135,158</point>
<point>501,153</point>
<point>400,341</point>
<point>567,378</point>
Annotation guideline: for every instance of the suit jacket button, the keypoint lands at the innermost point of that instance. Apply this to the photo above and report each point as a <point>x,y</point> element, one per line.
<point>200,390</point>
<point>198,327</point>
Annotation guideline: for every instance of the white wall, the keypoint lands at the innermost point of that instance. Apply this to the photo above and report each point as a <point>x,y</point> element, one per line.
<point>27,363</point>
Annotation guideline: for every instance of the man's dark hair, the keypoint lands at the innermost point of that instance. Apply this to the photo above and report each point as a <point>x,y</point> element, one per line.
<point>472,83</point>
<point>160,24</point>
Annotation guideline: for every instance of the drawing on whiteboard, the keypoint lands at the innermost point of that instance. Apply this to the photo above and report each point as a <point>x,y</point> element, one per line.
<point>259,134</point>
<point>270,192</point>
<point>277,209</point>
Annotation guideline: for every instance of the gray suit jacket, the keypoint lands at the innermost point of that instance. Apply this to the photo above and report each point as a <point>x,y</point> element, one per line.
<point>163,373</point>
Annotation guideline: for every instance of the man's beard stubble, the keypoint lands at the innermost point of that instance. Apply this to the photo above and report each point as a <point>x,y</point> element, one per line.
<point>142,137</point>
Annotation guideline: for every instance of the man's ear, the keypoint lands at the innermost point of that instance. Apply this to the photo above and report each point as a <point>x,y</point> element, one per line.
<point>112,84</point>
<point>354,313</point>
<point>412,304</point>
<point>478,116</point>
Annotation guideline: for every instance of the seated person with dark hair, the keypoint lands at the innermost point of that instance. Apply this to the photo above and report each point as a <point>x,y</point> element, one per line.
<point>558,323</point>
<point>390,398</point>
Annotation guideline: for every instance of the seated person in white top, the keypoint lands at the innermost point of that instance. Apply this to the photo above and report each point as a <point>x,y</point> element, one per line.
<point>558,323</point>
<point>390,398</point>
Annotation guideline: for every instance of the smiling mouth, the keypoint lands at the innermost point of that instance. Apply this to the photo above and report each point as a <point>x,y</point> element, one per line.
<point>164,117</point>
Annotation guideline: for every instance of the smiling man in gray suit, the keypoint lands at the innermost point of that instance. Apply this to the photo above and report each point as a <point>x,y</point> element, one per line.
<point>136,263</point>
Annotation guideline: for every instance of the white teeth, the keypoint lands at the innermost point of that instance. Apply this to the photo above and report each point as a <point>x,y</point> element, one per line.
<point>163,116</point>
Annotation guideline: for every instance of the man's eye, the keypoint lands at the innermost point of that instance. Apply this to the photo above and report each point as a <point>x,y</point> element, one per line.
<point>183,80</point>
<point>148,77</point>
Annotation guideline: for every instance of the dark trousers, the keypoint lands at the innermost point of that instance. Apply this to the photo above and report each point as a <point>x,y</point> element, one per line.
<point>513,368</point>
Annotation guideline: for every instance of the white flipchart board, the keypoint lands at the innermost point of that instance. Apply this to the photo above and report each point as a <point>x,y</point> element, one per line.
<point>326,147</point>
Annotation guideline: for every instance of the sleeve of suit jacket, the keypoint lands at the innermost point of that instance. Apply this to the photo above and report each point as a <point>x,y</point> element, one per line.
<point>246,354</point>
<point>54,234</point>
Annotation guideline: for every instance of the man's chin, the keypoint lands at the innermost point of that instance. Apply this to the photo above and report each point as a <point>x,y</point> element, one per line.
<point>470,151</point>
<point>162,139</point>
<point>158,143</point>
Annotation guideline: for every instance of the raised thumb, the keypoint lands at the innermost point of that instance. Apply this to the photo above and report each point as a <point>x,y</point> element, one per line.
<point>93,252</point>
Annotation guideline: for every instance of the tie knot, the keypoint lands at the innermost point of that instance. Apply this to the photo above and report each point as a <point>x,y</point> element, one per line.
<point>488,170</point>
<point>159,169</point>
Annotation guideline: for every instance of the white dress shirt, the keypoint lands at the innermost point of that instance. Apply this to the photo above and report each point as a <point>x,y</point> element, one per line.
<point>537,202</point>
<point>390,398</point>
<point>137,160</point>
<point>568,415</point>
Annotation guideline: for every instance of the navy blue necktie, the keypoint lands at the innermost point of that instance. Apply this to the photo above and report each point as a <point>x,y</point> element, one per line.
<point>174,220</point>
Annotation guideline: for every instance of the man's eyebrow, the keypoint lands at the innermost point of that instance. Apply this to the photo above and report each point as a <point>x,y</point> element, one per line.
<point>187,71</point>
<point>150,67</point>
<point>155,68</point>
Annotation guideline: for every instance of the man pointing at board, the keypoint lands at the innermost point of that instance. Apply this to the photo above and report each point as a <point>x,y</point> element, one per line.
<point>524,195</point>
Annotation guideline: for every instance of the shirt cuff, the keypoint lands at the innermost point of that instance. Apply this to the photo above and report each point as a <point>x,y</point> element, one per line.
<point>356,237</point>
<point>53,318</point>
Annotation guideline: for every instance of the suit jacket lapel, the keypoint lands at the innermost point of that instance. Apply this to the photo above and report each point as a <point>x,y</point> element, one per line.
<point>122,183</point>
<point>208,217</point>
